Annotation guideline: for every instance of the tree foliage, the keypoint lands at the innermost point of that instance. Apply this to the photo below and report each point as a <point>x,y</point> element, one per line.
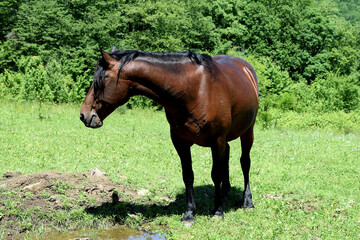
<point>48,49</point>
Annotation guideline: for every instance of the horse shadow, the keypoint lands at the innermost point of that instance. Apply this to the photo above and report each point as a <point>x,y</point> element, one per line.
<point>204,199</point>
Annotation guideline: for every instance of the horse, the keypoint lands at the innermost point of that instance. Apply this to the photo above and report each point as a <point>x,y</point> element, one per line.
<point>208,101</point>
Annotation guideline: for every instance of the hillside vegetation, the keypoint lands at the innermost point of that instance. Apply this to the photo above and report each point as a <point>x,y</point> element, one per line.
<point>303,181</point>
<point>306,52</point>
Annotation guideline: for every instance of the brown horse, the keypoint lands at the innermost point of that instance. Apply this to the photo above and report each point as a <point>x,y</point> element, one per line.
<point>208,101</point>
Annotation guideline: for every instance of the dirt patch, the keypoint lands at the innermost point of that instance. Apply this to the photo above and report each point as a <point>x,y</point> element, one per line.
<point>48,192</point>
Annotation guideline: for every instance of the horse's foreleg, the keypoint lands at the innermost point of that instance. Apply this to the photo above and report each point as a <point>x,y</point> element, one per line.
<point>246,143</point>
<point>183,150</point>
<point>218,154</point>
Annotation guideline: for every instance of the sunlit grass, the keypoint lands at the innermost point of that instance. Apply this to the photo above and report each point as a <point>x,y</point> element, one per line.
<point>305,184</point>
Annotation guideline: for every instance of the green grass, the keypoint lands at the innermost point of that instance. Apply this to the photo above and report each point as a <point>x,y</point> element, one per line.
<point>305,183</point>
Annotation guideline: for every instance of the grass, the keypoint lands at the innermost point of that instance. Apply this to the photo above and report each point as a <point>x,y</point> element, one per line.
<point>305,183</point>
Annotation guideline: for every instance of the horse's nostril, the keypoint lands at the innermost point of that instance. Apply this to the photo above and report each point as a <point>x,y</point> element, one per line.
<point>82,117</point>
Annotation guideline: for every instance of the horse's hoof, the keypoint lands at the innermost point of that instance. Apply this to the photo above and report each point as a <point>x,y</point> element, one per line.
<point>217,214</point>
<point>188,218</point>
<point>248,205</point>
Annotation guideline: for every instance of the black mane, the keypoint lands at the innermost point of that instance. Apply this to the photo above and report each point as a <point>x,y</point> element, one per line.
<point>127,56</point>
<point>130,55</point>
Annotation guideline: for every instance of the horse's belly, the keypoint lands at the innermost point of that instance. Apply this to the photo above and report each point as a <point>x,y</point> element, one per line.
<point>240,124</point>
<point>196,133</point>
<point>205,131</point>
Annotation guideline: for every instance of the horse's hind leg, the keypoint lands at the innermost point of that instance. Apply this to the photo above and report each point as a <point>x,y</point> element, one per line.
<point>225,186</point>
<point>247,140</point>
<point>183,150</point>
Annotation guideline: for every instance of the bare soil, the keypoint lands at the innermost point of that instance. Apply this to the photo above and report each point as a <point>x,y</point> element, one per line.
<point>45,191</point>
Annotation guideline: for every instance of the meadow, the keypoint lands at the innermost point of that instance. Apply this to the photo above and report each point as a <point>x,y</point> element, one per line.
<point>304,180</point>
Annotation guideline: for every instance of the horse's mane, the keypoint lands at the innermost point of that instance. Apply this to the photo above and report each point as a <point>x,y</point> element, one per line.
<point>130,55</point>
<point>127,56</point>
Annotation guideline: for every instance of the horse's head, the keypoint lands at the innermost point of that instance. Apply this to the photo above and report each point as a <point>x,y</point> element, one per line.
<point>107,91</point>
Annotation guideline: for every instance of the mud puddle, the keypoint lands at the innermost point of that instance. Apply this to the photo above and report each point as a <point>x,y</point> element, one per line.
<point>109,234</point>
<point>45,201</point>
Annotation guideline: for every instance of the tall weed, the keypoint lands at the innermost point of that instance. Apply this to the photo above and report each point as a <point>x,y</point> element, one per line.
<point>336,121</point>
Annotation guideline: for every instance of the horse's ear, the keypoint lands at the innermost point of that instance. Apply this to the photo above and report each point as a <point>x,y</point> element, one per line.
<point>114,49</point>
<point>108,59</point>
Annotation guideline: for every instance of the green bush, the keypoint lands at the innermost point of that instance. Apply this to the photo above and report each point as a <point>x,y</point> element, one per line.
<point>273,82</point>
<point>287,101</point>
<point>49,48</point>
<point>40,82</point>
<point>142,102</point>
<point>11,85</point>
<point>330,93</point>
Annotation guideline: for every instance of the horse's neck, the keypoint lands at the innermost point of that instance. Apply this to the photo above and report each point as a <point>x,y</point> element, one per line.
<point>157,82</point>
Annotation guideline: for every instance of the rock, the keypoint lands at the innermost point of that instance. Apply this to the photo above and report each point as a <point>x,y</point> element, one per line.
<point>95,190</point>
<point>52,199</point>
<point>96,172</point>
<point>143,192</point>
<point>58,204</point>
<point>101,187</point>
<point>11,174</point>
<point>35,187</point>
<point>134,216</point>
<point>143,229</point>
<point>188,223</point>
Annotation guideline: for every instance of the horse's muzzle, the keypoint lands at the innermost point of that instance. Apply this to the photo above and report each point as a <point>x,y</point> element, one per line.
<point>91,120</point>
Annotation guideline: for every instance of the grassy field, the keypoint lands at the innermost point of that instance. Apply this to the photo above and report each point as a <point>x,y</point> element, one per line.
<point>305,183</point>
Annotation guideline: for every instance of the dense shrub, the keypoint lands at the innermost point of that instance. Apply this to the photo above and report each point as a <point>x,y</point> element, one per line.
<point>330,93</point>
<point>273,82</point>
<point>37,81</point>
<point>305,53</point>
<point>142,102</point>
